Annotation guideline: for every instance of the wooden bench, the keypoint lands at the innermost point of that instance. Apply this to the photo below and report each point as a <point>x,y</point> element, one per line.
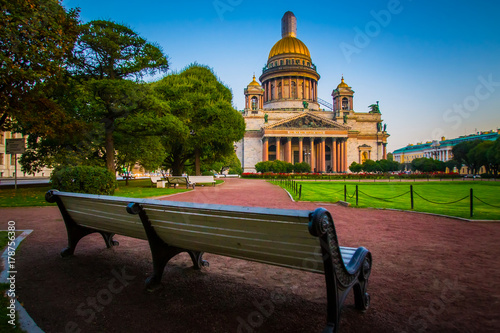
<point>155,180</point>
<point>299,239</point>
<point>201,180</point>
<point>178,180</point>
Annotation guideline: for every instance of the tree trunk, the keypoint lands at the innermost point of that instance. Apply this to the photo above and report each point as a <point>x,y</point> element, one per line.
<point>177,167</point>
<point>197,162</point>
<point>110,151</point>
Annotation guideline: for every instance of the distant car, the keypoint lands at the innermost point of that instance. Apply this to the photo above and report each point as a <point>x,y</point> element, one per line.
<point>472,176</point>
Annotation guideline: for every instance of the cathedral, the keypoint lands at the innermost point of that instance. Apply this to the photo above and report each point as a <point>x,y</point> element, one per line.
<point>285,119</point>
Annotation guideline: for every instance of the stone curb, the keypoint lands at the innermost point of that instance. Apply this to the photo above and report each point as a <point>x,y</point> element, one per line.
<point>25,321</point>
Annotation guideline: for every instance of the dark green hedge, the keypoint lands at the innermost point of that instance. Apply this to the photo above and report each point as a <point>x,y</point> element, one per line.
<point>83,179</point>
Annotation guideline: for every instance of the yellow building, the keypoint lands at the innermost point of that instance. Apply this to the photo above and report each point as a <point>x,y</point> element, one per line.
<point>7,161</point>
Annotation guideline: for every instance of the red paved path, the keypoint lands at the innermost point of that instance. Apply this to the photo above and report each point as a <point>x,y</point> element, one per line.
<point>429,273</point>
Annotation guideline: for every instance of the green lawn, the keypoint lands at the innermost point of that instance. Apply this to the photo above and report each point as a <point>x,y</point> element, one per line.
<point>35,196</point>
<point>432,197</point>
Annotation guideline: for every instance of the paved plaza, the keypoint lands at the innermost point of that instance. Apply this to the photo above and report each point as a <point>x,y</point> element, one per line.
<point>429,272</point>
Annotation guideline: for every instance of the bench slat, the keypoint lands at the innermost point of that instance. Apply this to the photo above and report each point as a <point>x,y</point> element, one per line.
<point>105,216</point>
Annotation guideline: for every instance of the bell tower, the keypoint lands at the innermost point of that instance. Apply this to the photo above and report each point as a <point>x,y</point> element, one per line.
<point>254,98</point>
<point>343,98</point>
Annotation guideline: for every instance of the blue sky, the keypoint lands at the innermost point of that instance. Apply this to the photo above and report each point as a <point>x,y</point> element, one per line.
<point>433,65</point>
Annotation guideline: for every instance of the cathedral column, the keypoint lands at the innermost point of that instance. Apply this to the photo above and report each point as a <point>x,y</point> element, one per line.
<point>282,88</point>
<point>334,155</point>
<point>301,153</point>
<point>344,151</point>
<point>323,154</point>
<point>265,149</point>
<point>278,148</point>
<point>313,157</point>
<point>341,154</point>
<point>288,150</point>
<point>385,150</point>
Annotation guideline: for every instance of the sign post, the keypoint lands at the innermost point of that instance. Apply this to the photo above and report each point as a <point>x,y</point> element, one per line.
<point>14,147</point>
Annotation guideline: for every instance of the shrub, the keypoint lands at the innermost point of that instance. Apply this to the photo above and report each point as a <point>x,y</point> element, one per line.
<point>302,167</point>
<point>235,171</point>
<point>207,173</point>
<point>83,179</point>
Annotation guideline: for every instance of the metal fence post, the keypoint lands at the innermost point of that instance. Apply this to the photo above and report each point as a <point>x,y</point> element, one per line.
<point>356,195</point>
<point>345,192</point>
<point>300,191</point>
<point>471,202</point>
<point>411,196</point>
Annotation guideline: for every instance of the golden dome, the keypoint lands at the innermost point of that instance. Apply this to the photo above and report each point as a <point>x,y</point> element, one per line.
<point>254,82</point>
<point>342,84</point>
<point>289,45</point>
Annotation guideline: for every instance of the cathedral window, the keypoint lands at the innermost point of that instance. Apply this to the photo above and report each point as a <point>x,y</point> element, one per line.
<point>345,103</point>
<point>279,90</point>
<point>254,103</point>
<point>281,62</point>
<point>294,90</point>
<point>272,91</point>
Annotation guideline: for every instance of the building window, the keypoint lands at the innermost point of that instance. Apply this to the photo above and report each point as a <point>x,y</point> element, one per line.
<point>1,159</point>
<point>281,62</point>
<point>272,91</point>
<point>294,90</point>
<point>279,91</point>
<point>255,103</point>
<point>345,103</point>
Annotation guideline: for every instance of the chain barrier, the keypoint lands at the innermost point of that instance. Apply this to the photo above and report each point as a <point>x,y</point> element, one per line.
<point>441,203</point>
<point>352,196</point>
<point>384,199</point>
<point>341,190</point>
<point>486,203</point>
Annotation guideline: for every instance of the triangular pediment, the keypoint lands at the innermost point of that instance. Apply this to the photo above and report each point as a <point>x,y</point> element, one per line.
<point>307,120</point>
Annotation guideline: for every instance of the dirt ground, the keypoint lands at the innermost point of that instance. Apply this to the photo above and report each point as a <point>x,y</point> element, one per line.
<point>430,274</point>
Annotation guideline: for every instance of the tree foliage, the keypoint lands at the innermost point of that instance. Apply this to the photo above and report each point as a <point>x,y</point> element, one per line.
<point>278,166</point>
<point>36,37</point>
<point>207,124</point>
<point>106,53</point>
<point>427,165</point>
<point>461,155</point>
<point>229,162</point>
<point>375,166</point>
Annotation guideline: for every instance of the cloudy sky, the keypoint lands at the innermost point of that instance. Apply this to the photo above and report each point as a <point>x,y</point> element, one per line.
<point>433,65</point>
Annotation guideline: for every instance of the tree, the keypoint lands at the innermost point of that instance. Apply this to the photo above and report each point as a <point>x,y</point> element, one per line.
<point>224,164</point>
<point>452,164</point>
<point>356,167</point>
<point>493,155</point>
<point>207,123</point>
<point>302,167</point>
<point>105,54</point>
<point>479,155</point>
<point>370,166</point>
<point>36,37</point>
<point>461,154</point>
